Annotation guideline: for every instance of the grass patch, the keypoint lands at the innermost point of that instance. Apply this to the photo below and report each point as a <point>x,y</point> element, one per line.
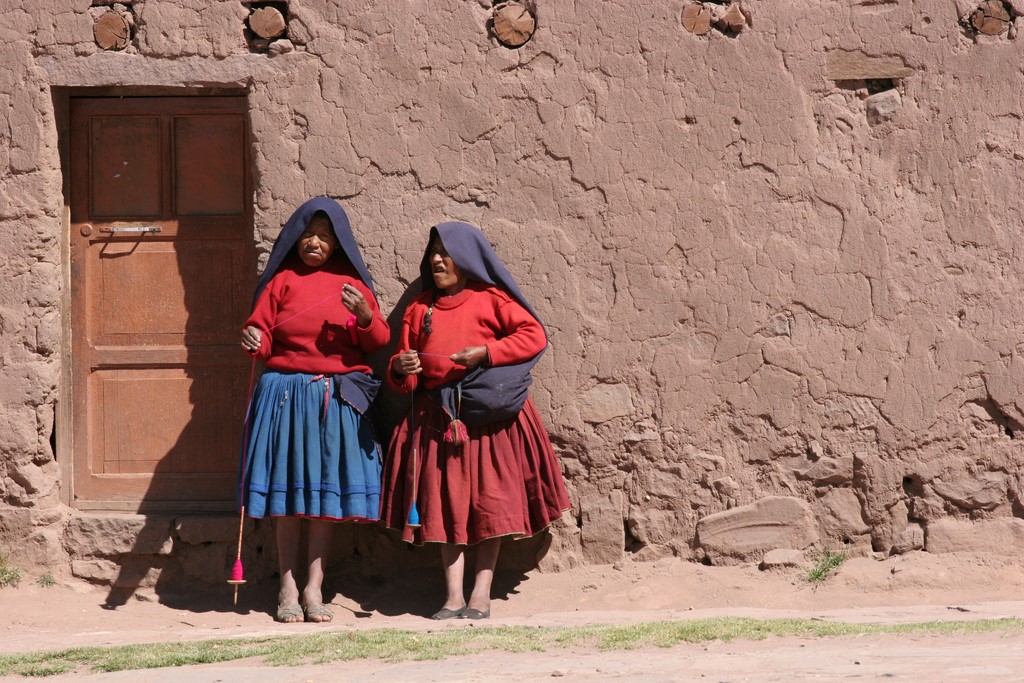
<point>46,581</point>
<point>825,563</point>
<point>395,645</point>
<point>9,576</point>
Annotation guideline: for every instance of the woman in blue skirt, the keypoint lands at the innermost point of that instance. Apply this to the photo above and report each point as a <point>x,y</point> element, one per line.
<point>311,457</point>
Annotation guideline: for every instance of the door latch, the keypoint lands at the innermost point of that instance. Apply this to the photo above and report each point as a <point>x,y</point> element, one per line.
<point>134,228</point>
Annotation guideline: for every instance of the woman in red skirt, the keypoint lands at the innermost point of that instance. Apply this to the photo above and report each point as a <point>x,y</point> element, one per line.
<point>472,462</point>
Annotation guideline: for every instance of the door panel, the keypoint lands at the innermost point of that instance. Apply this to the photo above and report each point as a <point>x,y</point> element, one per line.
<point>163,266</point>
<point>207,165</point>
<point>125,166</point>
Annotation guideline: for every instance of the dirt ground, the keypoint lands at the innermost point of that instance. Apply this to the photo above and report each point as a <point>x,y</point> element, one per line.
<point>911,588</point>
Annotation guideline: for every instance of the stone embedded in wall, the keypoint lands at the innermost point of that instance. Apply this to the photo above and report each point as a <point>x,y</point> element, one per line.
<point>602,532</point>
<point>15,525</point>
<point>134,571</point>
<point>219,529</point>
<point>840,515</point>
<point>563,549</point>
<point>1004,380</point>
<point>652,526</point>
<point>280,47</point>
<point>209,564</point>
<point>96,570</point>
<point>1000,536</point>
<point>880,484</point>
<point>746,532</point>
<point>829,472</point>
<point>18,425</point>
<point>985,491</point>
<point>992,18</point>
<point>513,23</point>
<point>882,107</point>
<point>846,65</point>
<point>781,558</point>
<point>727,489</point>
<point>37,481</point>
<point>699,17</point>
<point>111,535</point>
<point>29,483</point>
<point>728,19</point>
<point>911,538</point>
<point>642,431</point>
<point>605,402</point>
<point>42,548</point>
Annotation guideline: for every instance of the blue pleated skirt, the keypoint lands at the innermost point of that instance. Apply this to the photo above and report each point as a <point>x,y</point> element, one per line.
<point>309,454</point>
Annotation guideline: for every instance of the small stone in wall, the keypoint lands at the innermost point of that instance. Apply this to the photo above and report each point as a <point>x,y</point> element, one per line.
<point>1000,536</point>
<point>748,531</point>
<point>699,17</point>
<point>605,402</point>
<point>603,533</point>
<point>883,106</point>
<point>281,47</point>
<point>991,18</point>
<point>729,19</point>
<point>781,557</point>
<point>986,491</point>
<point>911,538</point>
<point>98,570</point>
<point>829,471</point>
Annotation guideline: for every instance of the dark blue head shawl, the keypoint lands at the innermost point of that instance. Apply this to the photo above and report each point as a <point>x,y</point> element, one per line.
<point>485,394</point>
<point>475,257</point>
<point>294,228</point>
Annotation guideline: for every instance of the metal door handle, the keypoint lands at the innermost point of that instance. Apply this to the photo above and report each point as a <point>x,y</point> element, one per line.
<point>134,228</point>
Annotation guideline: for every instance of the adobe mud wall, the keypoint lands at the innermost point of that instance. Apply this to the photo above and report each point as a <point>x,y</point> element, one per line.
<point>778,253</point>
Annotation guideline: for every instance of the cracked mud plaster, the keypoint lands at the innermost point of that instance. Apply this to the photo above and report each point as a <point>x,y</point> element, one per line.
<point>664,201</point>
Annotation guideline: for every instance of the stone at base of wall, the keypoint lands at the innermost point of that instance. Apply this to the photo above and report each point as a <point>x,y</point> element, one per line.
<point>782,557</point>
<point>744,533</point>
<point>32,537</point>
<point>603,534</point>
<point>1001,536</point>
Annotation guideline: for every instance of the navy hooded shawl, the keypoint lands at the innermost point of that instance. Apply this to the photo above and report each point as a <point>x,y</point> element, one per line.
<point>488,394</point>
<point>297,224</point>
<point>355,388</point>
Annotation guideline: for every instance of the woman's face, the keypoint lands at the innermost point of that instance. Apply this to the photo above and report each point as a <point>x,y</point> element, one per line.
<point>447,275</point>
<point>317,242</point>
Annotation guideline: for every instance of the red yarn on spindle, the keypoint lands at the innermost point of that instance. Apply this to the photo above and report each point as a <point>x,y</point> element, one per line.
<point>456,433</point>
<point>237,574</point>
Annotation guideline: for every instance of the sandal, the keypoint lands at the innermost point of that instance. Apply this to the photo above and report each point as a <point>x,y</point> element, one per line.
<point>470,613</point>
<point>317,613</point>
<point>445,613</point>
<point>288,614</point>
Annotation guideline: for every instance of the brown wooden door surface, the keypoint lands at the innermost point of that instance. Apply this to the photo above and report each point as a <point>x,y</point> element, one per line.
<point>162,271</point>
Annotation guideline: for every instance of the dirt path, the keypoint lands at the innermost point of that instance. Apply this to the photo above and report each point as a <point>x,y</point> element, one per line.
<point>914,588</point>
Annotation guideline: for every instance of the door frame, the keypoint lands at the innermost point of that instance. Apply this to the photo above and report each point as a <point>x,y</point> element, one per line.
<point>64,412</point>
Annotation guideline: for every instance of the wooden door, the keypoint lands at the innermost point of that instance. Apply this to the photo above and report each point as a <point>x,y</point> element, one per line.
<point>162,272</point>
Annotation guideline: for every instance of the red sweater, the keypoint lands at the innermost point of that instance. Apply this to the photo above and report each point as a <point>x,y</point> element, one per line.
<point>305,326</point>
<point>479,315</point>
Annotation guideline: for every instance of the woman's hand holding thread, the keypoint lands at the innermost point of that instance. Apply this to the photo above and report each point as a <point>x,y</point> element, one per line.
<point>406,363</point>
<point>251,339</point>
<point>356,302</point>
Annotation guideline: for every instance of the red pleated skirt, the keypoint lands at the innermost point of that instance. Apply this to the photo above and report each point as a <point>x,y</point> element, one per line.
<point>505,481</point>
